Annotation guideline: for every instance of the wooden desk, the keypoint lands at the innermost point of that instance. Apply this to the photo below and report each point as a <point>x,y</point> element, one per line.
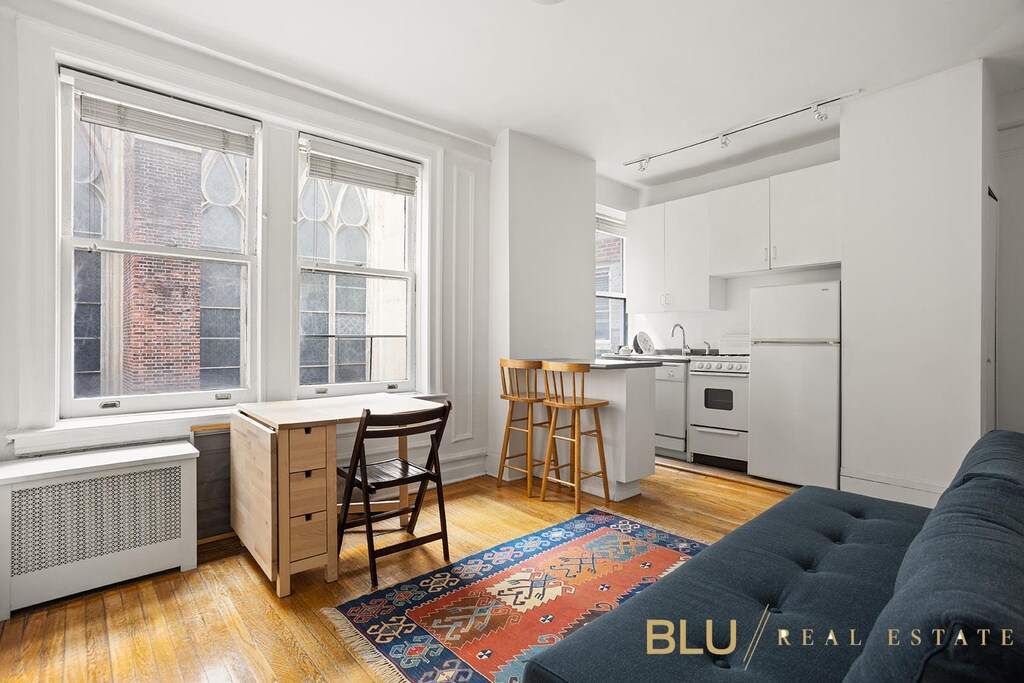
<point>284,492</point>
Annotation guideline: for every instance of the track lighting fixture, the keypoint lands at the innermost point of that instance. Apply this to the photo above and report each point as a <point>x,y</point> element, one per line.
<point>723,139</point>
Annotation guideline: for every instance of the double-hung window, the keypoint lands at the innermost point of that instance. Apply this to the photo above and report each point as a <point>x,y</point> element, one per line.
<point>610,311</point>
<point>158,250</point>
<point>356,233</point>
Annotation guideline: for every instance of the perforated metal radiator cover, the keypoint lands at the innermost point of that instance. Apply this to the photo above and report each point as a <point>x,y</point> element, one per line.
<point>58,524</point>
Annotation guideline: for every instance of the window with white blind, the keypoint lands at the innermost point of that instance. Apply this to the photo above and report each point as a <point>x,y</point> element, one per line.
<point>356,233</point>
<point>610,301</point>
<point>158,250</point>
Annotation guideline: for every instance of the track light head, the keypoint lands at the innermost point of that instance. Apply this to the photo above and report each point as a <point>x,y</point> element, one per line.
<point>643,164</point>
<point>723,141</point>
<point>820,114</point>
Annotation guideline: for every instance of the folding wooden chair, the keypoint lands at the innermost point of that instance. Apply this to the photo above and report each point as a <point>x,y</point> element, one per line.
<point>370,478</point>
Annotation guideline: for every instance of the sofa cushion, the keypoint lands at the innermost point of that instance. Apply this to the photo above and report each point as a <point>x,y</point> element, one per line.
<point>820,559</point>
<point>997,455</point>
<point>963,572</point>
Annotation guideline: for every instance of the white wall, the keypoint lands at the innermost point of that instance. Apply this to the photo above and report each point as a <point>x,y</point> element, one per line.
<point>912,283</point>
<point>711,325</point>
<point>614,195</point>
<point>10,235</point>
<point>452,295</point>
<point>541,257</point>
<point>1010,293</point>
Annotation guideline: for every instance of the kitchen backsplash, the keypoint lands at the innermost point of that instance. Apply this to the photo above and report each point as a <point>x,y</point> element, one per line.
<point>710,325</point>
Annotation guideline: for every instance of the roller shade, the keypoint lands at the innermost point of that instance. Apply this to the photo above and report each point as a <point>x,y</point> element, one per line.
<point>343,171</point>
<point>606,224</point>
<point>145,122</point>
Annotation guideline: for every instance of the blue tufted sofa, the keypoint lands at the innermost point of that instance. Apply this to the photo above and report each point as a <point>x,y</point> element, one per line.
<point>865,569</point>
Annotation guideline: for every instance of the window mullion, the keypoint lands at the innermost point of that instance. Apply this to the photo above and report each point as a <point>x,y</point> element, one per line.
<point>332,329</point>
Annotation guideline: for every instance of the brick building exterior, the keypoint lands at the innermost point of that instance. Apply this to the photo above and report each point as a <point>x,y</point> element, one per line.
<point>161,297</point>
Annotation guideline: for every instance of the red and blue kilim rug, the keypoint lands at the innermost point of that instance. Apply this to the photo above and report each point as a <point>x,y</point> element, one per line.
<point>482,617</point>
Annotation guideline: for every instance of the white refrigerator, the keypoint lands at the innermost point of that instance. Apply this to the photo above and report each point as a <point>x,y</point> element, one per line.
<point>794,384</point>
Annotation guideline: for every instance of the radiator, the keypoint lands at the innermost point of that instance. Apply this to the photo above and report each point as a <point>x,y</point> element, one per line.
<point>71,523</point>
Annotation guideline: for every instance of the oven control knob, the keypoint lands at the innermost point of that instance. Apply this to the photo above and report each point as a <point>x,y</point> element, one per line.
<point>729,366</point>
<point>718,366</point>
<point>700,366</point>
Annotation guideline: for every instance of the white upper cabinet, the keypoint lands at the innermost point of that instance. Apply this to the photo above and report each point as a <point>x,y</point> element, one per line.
<point>740,234</point>
<point>667,259</point>
<point>645,254</point>
<point>806,217</point>
<point>688,284</point>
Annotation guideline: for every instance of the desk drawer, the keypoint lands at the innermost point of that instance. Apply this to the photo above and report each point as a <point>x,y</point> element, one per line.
<point>308,535</point>
<point>307,492</point>
<point>306,448</point>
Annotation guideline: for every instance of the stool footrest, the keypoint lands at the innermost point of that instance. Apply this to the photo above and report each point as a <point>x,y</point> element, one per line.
<point>583,475</point>
<point>522,470</point>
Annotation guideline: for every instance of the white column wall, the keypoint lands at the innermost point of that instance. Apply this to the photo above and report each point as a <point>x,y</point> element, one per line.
<point>912,283</point>
<point>10,235</point>
<point>543,201</point>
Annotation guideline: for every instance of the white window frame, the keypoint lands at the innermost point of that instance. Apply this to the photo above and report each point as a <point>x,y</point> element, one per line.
<point>71,407</point>
<point>413,239</point>
<point>613,226</point>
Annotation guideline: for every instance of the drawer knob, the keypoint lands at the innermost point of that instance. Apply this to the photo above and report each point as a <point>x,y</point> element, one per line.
<point>309,473</point>
<point>309,517</point>
<point>307,430</point>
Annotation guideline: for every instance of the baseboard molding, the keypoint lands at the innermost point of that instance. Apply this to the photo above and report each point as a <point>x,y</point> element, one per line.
<point>876,489</point>
<point>902,482</point>
<point>462,466</point>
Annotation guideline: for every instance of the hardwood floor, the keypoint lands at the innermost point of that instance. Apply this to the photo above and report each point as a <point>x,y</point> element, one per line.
<point>223,621</point>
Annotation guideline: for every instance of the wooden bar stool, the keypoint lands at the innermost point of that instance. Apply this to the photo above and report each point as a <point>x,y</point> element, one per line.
<point>556,377</point>
<point>519,387</point>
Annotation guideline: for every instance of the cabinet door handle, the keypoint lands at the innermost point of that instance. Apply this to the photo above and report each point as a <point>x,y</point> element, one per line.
<point>765,257</point>
<point>775,253</point>
<point>668,300</point>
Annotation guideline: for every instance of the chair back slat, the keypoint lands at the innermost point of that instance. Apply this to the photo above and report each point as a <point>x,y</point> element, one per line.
<point>518,377</point>
<point>555,381</point>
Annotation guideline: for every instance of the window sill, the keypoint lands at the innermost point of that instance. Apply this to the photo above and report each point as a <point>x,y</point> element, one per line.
<point>94,432</point>
<point>82,433</point>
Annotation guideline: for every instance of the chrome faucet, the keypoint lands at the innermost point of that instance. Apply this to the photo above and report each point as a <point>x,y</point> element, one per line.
<point>707,348</point>
<point>682,329</point>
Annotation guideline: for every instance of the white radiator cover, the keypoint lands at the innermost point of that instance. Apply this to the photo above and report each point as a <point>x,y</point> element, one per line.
<point>72,523</point>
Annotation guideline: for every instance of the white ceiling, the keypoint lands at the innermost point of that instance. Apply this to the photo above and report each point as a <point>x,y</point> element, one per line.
<point>611,79</point>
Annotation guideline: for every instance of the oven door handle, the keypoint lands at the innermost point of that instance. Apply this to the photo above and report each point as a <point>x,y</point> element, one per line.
<point>713,430</point>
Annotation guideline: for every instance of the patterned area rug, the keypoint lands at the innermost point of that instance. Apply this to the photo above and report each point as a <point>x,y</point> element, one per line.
<point>482,617</point>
